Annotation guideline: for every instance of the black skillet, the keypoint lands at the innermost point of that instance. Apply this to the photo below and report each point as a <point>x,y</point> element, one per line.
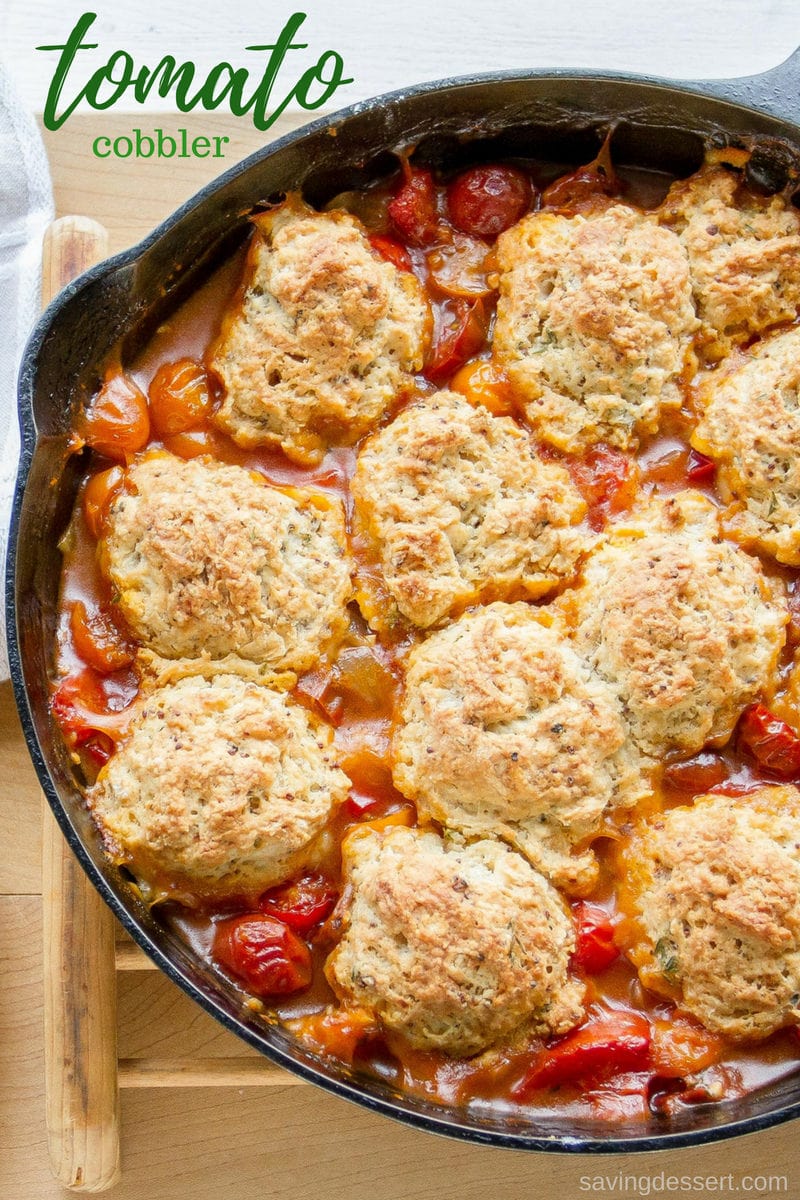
<point>561,116</point>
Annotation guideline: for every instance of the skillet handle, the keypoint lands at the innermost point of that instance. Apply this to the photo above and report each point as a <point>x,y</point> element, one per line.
<point>776,92</point>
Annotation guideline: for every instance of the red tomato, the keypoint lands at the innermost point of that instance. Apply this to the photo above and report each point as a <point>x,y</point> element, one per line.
<point>583,187</point>
<point>700,468</point>
<point>390,249</point>
<point>460,334</point>
<point>99,746</point>
<point>607,481</point>
<point>179,397</point>
<point>75,698</point>
<point>484,201</point>
<point>263,953</point>
<point>595,949</point>
<point>302,903</point>
<point>117,423</point>
<point>98,640</point>
<point>699,774</point>
<point>772,742</point>
<point>413,209</point>
<point>605,1046</point>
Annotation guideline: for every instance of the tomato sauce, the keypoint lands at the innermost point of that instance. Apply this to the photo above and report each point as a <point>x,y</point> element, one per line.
<point>636,1055</point>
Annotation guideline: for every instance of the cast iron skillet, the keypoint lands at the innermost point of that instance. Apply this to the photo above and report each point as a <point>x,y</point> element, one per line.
<point>557,115</point>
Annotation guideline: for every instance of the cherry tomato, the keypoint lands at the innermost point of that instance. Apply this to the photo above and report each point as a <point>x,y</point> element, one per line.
<point>605,1046</point>
<point>98,640</point>
<point>699,774</point>
<point>700,468</point>
<point>98,496</point>
<point>76,697</point>
<point>263,953</point>
<point>302,903</point>
<point>460,334</point>
<point>483,383</point>
<point>179,397</point>
<point>460,268</point>
<point>390,249</point>
<point>595,949</point>
<point>607,481</point>
<point>484,201</point>
<point>99,746</point>
<point>585,186</point>
<point>413,209</point>
<point>772,742</point>
<point>117,423</point>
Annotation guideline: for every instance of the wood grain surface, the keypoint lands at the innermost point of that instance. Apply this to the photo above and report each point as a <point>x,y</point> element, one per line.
<point>244,1142</point>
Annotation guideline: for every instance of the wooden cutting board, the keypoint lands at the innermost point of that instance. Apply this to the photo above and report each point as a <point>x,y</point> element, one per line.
<point>239,1141</point>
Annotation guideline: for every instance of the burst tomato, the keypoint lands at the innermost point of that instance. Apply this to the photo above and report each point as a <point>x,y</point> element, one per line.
<point>700,468</point>
<point>117,423</point>
<point>605,1046</point>
<point>594,949</point>
<point>302,903</point>
<point>263,953</point>
<point>460,334</point>
<point>390,249</point>
<point>98,639</point>
<point>413,209</point>
<point>98,496</point>
<point>772,742</point>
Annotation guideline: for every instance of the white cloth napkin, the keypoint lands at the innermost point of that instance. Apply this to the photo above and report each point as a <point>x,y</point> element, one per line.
<point>26,208</point>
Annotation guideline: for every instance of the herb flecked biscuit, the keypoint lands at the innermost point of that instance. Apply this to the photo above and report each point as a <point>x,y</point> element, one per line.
<point>505,732</point>
<point>210,559</point>
<point>713,889</point>
<point>684,625</point>
<point>326,338</point>
<point>750,426</point>
<point>454,947</point>
<point>457,507</point>
<point>222,784</point>
<point>594,324</point>
<point>744,252</point>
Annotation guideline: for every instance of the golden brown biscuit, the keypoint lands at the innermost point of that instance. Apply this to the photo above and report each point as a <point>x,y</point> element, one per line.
<point>222,784</point>
<point>327,336</point>
<point>594,324</point>
<point>683,624</point>
<point>505,732</point>
<point>457,507</point>
<point>714,891</point>
<point>744,252</point>
<point>751,427</point>
<point>211,559</point>
<point>454,947</point>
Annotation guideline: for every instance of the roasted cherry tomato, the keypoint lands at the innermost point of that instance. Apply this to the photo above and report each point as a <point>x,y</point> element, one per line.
<point>696,775</point>
<point>607,480</point>
<point>179,397</point>
<point>605,1046</point>
<point>484,201</point>
<point>98,496</point>
<point>98,639</point>
<point>594,949</point>
<point>413,209</point>
<point>772,742</point>
<point>390,249</point>
<point>302,903</point>
<point>263,953</point>
<point>117,423</point>
<point>682,1047</point>
<point>75,699</point>
<point>460,334</point>
<point>583,187</point>
<point>700,468</point>
<point>99,746</point>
